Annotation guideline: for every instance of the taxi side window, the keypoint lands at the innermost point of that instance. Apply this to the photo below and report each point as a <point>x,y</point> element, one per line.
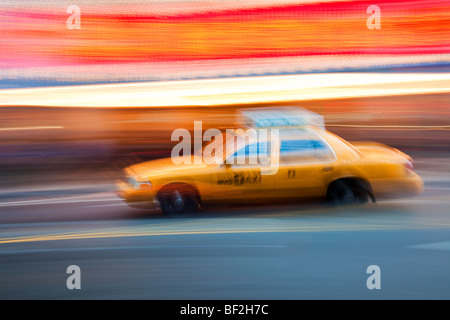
<point>304,151</point>
<point>252,154</point>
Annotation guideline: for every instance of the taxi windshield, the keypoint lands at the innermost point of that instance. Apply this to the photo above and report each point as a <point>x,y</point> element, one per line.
<point>221,148</point>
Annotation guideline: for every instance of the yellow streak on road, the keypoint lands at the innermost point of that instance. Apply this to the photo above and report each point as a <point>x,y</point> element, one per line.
<point>137,233</point>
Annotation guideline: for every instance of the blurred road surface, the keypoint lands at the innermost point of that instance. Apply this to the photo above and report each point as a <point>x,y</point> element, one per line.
<point>307,251</point>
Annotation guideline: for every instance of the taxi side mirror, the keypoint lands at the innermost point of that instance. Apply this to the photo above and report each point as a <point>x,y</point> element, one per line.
<point>226,164</point>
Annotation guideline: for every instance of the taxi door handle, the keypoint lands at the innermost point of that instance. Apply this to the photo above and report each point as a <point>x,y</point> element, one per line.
<point>326,169</point>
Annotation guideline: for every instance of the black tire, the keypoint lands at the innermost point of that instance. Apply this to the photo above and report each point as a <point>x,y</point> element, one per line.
<point>361,192</point>
<point>348,192</point>
<point>177,200</point>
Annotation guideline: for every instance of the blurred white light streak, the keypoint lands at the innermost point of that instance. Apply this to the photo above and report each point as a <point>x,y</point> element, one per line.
<point>30,128</point>
<point>239,90</point>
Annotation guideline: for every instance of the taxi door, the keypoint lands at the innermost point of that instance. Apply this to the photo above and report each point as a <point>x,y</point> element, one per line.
<point>244,183</point>
<point>305,166</point>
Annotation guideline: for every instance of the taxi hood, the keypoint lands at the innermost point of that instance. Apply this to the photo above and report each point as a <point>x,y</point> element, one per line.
<point>165,166</point>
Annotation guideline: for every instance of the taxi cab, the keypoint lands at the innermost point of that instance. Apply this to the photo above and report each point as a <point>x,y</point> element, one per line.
<point>312,163</point>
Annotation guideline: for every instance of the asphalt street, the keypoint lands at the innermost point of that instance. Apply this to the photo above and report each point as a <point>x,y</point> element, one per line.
<point>306,251</point>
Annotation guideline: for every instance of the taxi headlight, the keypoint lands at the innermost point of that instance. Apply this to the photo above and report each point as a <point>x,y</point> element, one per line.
<point>145,185</point>
<point>140,184</point>
<point>136,182</point>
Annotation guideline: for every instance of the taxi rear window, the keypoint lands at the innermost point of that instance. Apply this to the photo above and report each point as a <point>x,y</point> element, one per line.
<point>300,145</point>
<point>304,151</point>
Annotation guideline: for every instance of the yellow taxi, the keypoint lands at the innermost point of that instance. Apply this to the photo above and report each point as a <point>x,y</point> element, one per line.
<point>310,163</point>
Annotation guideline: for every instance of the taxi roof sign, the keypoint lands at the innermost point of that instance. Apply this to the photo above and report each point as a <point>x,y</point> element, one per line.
<point>275,117</point>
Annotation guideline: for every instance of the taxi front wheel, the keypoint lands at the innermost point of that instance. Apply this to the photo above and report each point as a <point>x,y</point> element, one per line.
<point>178,199</point>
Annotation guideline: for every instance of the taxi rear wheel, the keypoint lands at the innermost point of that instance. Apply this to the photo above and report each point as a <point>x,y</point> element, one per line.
<point>178,199</point>
<point>347,192</point>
